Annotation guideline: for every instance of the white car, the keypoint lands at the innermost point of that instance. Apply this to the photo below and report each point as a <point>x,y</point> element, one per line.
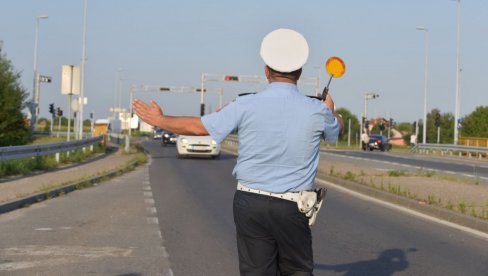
<point>197,146</point>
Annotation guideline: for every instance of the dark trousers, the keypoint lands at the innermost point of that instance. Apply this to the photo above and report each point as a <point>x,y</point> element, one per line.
<point>273,237</point>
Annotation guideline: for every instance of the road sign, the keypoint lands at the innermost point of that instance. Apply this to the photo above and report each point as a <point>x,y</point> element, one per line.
<point>70,80</point>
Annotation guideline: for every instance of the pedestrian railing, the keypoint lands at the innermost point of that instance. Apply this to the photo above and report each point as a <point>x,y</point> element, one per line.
<point>443,149</point>
<point>18,152</point>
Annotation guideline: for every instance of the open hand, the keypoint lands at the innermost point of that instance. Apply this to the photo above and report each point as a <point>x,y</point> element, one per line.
<point>151,114</point>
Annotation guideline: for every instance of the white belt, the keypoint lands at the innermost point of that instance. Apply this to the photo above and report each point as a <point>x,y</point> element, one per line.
<point>291,196</point>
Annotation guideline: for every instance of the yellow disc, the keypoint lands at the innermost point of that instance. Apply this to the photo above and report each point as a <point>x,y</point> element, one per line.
<point>335,67</point>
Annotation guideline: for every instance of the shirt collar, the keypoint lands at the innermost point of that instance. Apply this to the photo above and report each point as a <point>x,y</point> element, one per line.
<point>283,86</point>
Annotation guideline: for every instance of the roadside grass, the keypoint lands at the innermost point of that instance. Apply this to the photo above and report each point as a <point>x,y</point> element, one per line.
<point>45,163</point>
<point>383,181</point>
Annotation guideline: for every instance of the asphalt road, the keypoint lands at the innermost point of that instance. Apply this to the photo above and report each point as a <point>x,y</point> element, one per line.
<point>174,217</point>
<point>465,167</point>
<point>352,236</point>
<point>109,229</point>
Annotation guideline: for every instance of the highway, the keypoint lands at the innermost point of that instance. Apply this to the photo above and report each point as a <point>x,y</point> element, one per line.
<point>467,167</point>
<point>352,237</point>
<point>174,217</point>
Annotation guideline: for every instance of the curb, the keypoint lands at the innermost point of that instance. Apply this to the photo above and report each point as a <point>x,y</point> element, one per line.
<point>55,192</point>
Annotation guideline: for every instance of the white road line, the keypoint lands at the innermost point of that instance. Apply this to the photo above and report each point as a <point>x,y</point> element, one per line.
<point>152,220</point>
<point>403,209</point>
<point>148,194</point>
<point>151,210</point>
<point>146,188</point>
<point>44,229</point>
<point>149,201</point>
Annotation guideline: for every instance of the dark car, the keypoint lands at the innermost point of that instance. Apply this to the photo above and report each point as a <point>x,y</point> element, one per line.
<point>168,138</point>
<point>378,142</point>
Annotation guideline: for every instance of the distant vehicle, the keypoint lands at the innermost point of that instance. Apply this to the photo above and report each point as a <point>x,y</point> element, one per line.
<point>168,138</point>
<point>158,133</point>
<point>197,146</point>
<point>379,142</point>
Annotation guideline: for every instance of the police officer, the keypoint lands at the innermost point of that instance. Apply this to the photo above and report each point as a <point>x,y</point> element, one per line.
<point>279,131</point>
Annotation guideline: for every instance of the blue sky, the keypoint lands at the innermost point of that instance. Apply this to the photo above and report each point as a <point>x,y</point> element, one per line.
<point>171,43</point>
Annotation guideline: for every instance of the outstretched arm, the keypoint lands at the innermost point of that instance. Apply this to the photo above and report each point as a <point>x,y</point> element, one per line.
<point>153,115</point>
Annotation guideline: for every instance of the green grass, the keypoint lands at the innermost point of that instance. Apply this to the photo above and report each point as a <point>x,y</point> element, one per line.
<point>44,163</point>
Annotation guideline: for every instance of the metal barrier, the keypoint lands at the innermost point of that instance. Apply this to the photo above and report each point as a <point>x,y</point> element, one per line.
<point>451,149</point>
<point>18,152</point>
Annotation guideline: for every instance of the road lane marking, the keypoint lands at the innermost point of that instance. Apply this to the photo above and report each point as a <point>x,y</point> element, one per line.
<point>152,220</point>
<point>151,210</point>
<point>148,194</point>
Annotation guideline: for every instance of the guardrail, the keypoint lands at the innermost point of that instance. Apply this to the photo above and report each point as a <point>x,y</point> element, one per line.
<point>18,152</point>
<point>232,139</point>
<point>452,149</point>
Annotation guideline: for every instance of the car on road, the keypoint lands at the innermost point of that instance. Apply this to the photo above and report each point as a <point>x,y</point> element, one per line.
<point>157,134</point>
<point>378,142</point>
<point>197,146</point>
<point>168,138</point>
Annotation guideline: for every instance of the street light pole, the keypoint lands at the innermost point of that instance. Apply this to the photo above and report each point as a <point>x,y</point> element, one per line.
<point>424,127</point>
<point>367,96</point>
<point>35,88</point>
<point>456,108</point>
<point>82,85</point>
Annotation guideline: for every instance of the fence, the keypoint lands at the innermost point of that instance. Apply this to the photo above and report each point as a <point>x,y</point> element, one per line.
<point>474,141</point>
<point>18,152</point>
<point>452,150</point>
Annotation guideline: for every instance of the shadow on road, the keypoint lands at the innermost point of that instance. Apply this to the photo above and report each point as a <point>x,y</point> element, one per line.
<point>387,263</point>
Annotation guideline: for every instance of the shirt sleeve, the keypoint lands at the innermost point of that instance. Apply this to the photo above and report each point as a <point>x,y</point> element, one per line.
<point>331,127</point>
<point>219,124</point>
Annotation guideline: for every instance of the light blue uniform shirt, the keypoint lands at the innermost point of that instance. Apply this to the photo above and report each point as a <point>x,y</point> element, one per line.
<point>279,132</point>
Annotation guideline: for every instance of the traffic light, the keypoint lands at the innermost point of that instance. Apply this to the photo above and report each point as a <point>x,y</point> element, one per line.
<point>414,126</point>
<point>382,126</point>
<point>202,109</point>
<point>51,108</point>
<point>231,78</point>
<point>59,112</point>
<point>437,120</point>
<point>366,124</point>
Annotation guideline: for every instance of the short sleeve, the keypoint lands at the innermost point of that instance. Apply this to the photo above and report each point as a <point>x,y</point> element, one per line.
<point>331,127</point>
<point>219,124</point>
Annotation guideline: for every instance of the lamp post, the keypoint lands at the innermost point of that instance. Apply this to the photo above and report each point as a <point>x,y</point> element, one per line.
<point>458,71</point>
<point>35,88</point>
<point>82,84</point>
<point>424,128</point>
<point>367,96</point>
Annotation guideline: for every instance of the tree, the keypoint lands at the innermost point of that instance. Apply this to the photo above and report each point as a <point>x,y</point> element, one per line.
<point>13,128</point>
<point>346,114</point>
<point>476,123</point>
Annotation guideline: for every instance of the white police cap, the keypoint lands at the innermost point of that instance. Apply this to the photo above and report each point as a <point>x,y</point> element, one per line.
<point>284,50</point>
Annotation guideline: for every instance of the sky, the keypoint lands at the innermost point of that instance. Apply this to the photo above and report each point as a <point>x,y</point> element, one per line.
<point>172,43</point>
